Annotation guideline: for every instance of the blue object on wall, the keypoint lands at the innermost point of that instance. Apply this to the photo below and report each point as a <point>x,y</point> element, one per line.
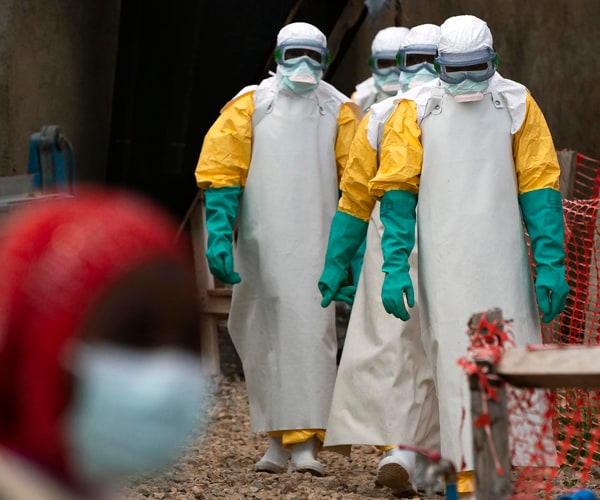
<point>51,160</point>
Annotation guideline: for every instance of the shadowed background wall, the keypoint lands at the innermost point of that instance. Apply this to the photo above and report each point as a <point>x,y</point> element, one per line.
<point>135,84</point>
<point>549,46</point>
<point>57,67</point>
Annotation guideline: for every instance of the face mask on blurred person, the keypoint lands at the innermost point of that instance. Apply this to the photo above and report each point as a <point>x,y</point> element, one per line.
<point>301,77</point>
<point>133,409</point>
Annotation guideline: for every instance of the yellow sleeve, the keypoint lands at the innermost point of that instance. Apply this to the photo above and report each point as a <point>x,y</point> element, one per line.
<point>535,157</point>
<point>361,167</point>
<point>401,153</point>
<point>349,116</point>
<point>225,155</point>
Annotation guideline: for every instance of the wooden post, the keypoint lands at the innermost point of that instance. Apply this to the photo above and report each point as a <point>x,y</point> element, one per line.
<point>591,337</point>
<point>567,159</point>
<point>214,302</point>
<point>490,422</point>
<point>536,366</point>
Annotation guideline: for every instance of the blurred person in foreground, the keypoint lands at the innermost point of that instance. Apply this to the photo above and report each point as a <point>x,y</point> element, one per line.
<point>100,373</point>
<point>271,164</point>
<point>384,393</point>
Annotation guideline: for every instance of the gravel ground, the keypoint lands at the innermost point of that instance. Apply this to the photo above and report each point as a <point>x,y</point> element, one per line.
<point>219,465</point>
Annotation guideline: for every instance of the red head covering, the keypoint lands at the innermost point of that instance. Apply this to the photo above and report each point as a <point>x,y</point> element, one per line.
<point>55,258</point>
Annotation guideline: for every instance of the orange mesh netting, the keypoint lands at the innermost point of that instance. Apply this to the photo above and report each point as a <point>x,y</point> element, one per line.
<point>563,449</point>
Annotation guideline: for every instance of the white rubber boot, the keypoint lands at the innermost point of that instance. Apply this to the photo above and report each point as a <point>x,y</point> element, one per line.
<point>275,459</point>
<point>304,457</point>
<point>396,471</point>
<point>421,476</point>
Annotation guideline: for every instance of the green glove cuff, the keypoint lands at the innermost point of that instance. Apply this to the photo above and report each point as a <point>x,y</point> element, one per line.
<point>221,213</point>
<point>543,215</point>
<point>398,215</point>
<point>357,261</point>
<point>345,237</point>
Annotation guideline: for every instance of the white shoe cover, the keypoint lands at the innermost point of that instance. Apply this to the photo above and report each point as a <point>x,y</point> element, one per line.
<point>396,471</point>
<point>275,459</point>
<point>420,476</point>
<point>304,457</point>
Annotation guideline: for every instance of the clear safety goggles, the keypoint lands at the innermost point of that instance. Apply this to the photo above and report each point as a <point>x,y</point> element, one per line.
<point>316,55</point>
<point>412,58</point>
<point>381,63</point>
<point>477,66</point>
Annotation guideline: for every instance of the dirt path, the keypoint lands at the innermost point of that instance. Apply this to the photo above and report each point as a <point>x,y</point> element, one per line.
<point>220,463</point>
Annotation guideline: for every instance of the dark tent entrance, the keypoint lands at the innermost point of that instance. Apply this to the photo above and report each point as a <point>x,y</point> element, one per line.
<point>178,63</point>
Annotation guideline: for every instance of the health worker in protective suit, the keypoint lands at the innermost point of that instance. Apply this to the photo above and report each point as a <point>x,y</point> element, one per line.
<point>396,403</point>
<point>384,80</point>
<point>276,154</point>
<point>474,150</point>
<point>383,83</point>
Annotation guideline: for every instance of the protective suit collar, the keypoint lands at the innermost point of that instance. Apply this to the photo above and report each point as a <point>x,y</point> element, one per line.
<point>513,93</point>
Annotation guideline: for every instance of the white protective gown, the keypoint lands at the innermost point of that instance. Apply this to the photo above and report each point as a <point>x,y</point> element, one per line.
<point>384,392</point>
<point>478,259</point>
<point>285,339</point>
<point>366,94</point>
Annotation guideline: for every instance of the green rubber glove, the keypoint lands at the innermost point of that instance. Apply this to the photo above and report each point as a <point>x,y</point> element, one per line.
<point>543,215</point>
<point>221,213</point>
<point>398,215</point>
<point>357,262</point>
<point>345,237</point>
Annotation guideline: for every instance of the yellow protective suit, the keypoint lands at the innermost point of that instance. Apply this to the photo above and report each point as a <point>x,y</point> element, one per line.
<point>287,152</point>
<point>468,162</point>
<point>384,393</point>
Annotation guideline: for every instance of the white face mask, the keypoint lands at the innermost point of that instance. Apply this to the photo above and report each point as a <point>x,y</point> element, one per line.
<point>133,410</point>
<point>387,81</point>
<point>301,77</point>
<point>411,80</point>
<point>467,90</point>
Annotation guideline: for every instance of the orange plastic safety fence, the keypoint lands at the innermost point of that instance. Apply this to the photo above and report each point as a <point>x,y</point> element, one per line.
<point>572,415</point>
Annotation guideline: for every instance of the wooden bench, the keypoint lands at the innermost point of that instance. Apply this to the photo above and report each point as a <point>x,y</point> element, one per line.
<point>18,190</point>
